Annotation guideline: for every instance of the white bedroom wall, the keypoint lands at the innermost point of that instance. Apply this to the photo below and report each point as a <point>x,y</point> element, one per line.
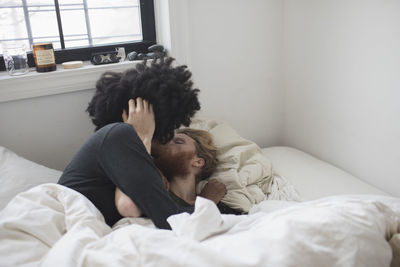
<point>342,82</point>
<point>234,50</point>
<point>47,130</point>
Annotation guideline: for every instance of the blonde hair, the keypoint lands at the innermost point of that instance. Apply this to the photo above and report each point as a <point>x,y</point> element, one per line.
<point>205,149</point>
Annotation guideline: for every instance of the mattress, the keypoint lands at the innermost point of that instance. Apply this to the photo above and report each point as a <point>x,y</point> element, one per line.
<point>314,178</point>
<point>311,177</point>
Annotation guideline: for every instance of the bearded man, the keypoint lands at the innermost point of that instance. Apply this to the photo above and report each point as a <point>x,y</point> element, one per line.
<point>188,158</point>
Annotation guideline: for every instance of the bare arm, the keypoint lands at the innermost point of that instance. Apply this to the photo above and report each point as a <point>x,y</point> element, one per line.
<point>125,206</point>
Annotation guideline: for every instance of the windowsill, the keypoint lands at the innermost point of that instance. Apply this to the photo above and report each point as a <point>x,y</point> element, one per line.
<point>35,84</point>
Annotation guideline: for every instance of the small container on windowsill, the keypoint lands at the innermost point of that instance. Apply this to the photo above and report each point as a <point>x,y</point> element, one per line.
<point>15,59</point>
<point>43,54</point>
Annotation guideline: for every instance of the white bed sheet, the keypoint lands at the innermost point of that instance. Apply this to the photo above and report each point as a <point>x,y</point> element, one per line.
<point>336,231</point>
<point>314,178</point>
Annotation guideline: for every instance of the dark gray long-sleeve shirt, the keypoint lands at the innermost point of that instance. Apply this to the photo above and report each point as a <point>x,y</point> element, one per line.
<point>115,157</point>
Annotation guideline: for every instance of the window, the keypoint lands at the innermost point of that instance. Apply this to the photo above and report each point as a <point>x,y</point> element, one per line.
<point>78,28</point>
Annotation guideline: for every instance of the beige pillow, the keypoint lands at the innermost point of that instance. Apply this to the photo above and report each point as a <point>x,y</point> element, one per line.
<point>242,167</point>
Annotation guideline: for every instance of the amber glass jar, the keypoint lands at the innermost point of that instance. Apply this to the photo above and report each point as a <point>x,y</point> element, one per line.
<point>43,55</point>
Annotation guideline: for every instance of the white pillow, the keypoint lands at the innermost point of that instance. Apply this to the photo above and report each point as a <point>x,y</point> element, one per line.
<point>18,174</point>
<point>314,178</point>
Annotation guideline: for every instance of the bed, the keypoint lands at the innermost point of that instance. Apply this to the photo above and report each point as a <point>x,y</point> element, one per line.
<point>311,214</point>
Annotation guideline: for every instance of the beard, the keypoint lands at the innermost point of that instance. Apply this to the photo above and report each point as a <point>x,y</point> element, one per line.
<point>172,165</point>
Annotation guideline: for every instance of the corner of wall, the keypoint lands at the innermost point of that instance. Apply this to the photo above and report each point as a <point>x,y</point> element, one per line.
<point>172,27</point>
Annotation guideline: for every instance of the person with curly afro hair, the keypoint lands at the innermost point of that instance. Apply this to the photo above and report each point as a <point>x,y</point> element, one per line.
<point>168,89</point>
<point>132,110</point>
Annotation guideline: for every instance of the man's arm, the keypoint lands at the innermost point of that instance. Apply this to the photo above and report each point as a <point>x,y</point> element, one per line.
<point>213,191</point>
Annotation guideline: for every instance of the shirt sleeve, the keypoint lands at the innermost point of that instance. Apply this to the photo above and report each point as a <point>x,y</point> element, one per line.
<point>125,161</point>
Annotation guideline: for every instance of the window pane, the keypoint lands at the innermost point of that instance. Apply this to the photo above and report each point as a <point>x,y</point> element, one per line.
<point>67,2</point>
<point>12,25</point>
<point>38,2</point>
<point>84,22</point>
<point>103,3</point>
<point>74,26</point>
<point>80,41</point>
<point>44,25</point>
<point>125,17</point>
<point>125,27</point>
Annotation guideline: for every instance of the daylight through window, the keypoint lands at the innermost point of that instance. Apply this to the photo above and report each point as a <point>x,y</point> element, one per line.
<point>80,23</point>
<point>77,27</point>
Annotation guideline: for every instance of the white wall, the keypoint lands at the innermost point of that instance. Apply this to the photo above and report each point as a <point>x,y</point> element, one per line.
<point>234,51</point>
<point>47,130</point>
<point>342,83</point>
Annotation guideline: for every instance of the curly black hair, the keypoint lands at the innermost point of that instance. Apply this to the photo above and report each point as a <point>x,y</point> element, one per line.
<point>167,88</point>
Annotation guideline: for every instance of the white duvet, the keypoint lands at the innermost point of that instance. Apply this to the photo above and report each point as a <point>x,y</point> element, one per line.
<point>51,225</point>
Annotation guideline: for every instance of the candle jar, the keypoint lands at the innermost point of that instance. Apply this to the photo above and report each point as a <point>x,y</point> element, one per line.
<point>43,55</point>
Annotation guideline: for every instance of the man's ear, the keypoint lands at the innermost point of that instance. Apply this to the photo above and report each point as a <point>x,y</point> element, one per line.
<point>198,162</point>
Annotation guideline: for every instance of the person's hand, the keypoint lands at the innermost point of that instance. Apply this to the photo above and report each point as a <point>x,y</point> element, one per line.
<point>214,191</point>
<point>141,118</point>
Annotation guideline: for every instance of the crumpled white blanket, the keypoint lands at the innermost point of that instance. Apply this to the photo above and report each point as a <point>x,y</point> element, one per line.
<point>282,189</point>
<point>51,225</point>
